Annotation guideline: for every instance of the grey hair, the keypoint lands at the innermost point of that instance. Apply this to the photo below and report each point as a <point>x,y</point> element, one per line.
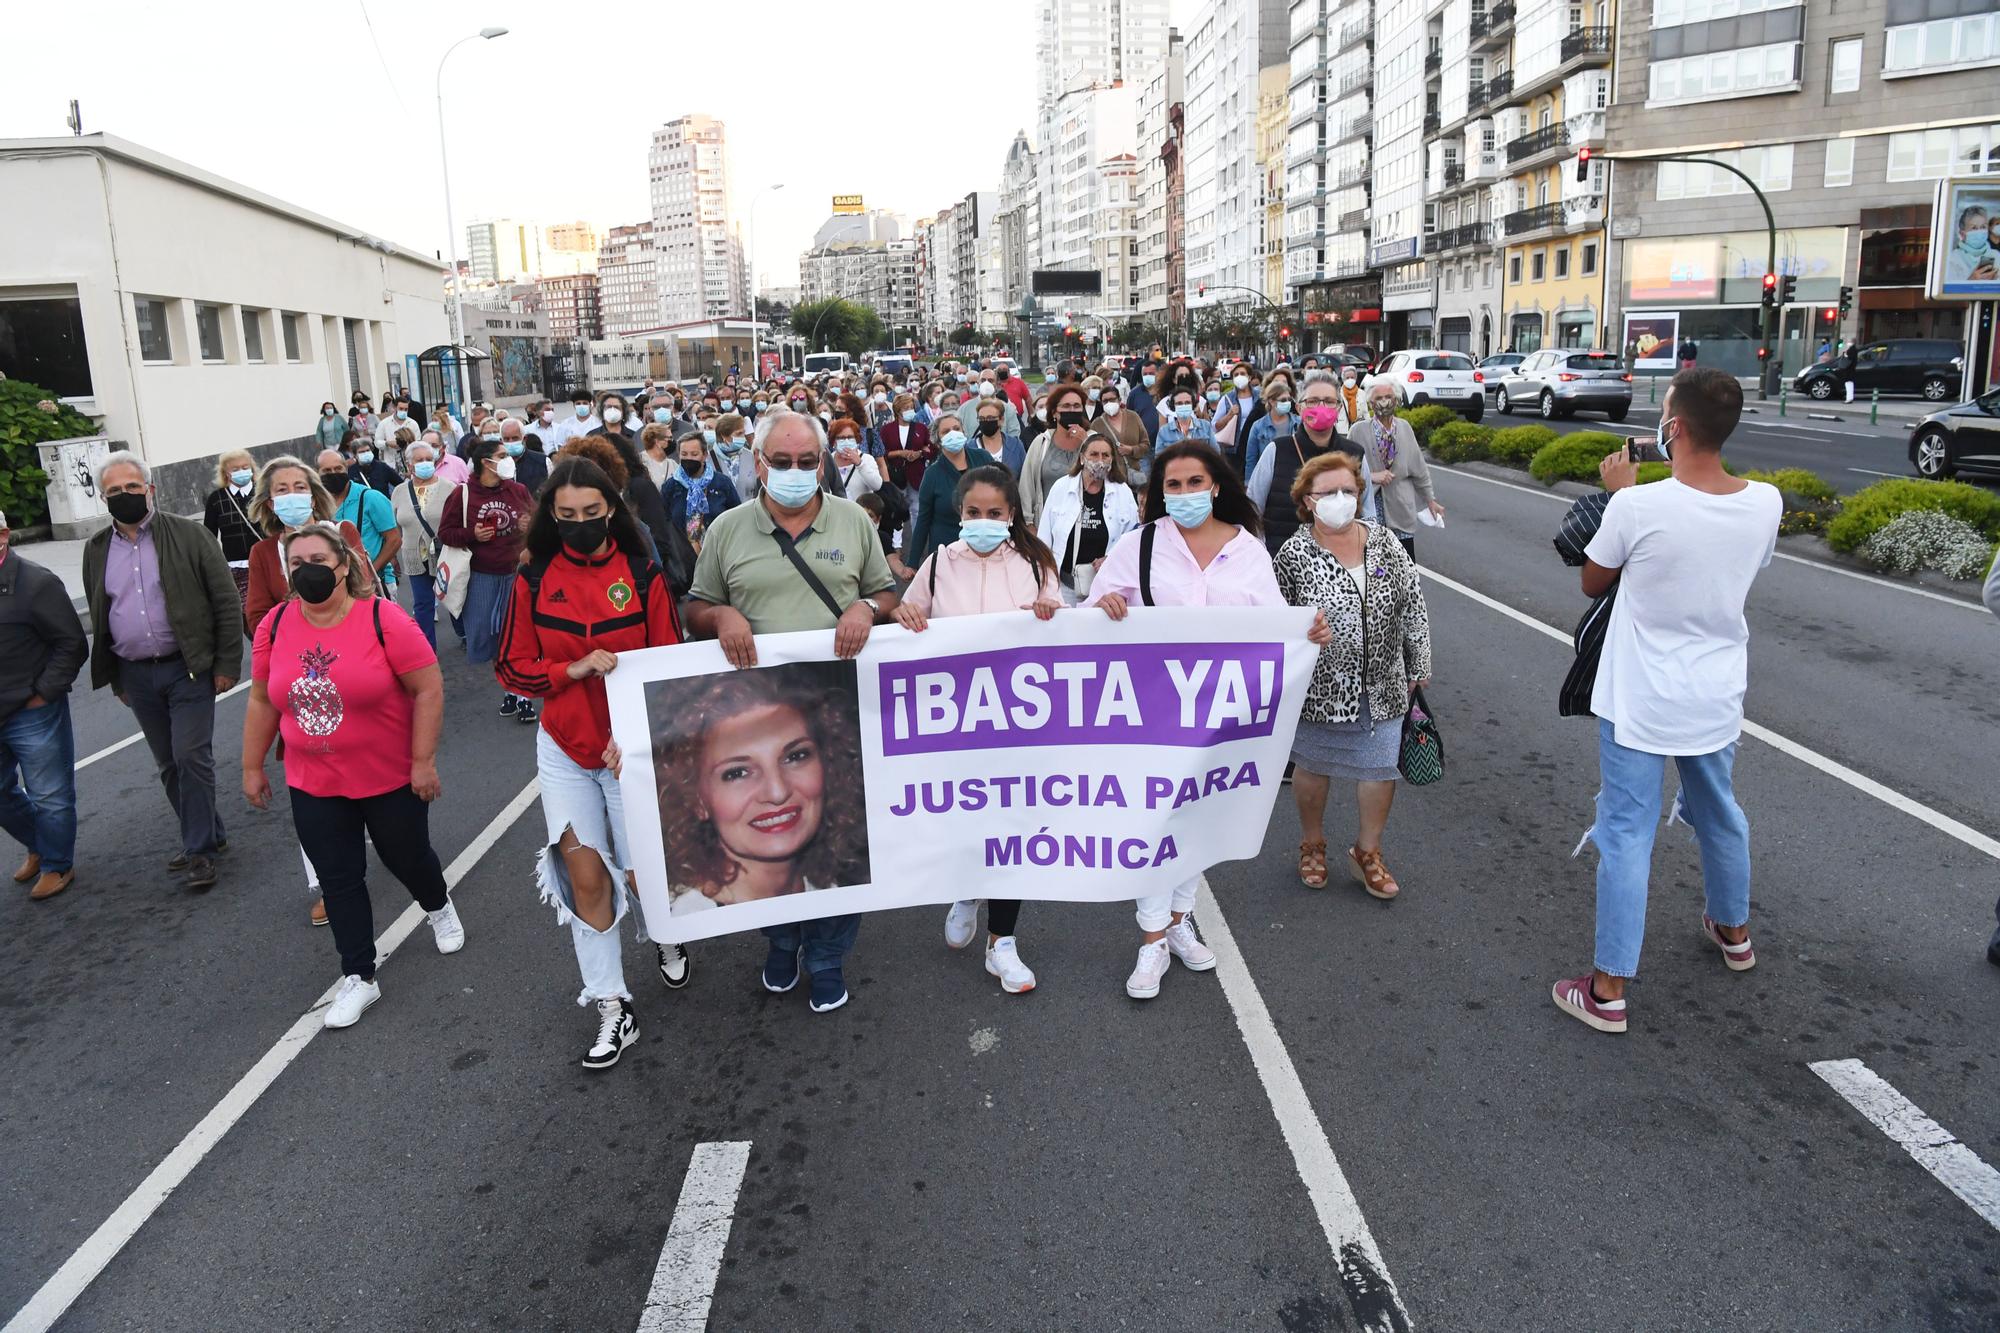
<point>1379,385</point>
<point>1319,375</point>
<point>772,419</point>
<point>415,445</point>
<point>123,458</point>
<point>266,517</point>
<point>519,429</point>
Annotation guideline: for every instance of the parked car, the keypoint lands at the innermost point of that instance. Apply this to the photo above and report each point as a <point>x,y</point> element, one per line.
<point>1932,367</point>
<point>1560,381</point>
<point>1425,376</point>
<point>1496,367</point>
<point>1965,438</point>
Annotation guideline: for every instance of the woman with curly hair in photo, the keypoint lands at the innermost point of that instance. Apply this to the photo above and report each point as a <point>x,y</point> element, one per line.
<point>760,780</point>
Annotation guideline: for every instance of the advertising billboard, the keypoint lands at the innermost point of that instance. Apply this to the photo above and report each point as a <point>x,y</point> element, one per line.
<point>847,203</point>
<point>1652,339</point>
<point>1965,239</point>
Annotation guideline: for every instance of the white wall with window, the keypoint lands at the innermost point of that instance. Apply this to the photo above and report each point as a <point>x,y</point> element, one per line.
<point>204,293</point>
<point>1770,167</point>
<point>1928,154</point>
<point>1966,41</point>
<point>1744,72</point>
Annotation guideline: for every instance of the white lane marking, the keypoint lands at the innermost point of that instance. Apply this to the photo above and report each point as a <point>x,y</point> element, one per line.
<point>1833,768</point>
<point>1821,565</point>
<point>102,1246</point>
<point>691,1260</point>
<point>1363,1275</point>
<point>1871,472</point>
<point>138,736</point>
<point>1957,1167</point>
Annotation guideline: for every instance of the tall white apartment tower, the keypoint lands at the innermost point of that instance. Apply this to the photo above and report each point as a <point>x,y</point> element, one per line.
<point>1081,44</point>
<point>698,258</point>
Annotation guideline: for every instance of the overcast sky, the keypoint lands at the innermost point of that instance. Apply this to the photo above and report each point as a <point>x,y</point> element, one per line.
<point>899,103</point>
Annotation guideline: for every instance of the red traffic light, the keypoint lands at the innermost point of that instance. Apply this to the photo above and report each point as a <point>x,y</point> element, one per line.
<point>1582,164</point>
<point>1830,314</point>
<point>1284,330</point>
<point>1763,354</point>
<point>1770,282</point>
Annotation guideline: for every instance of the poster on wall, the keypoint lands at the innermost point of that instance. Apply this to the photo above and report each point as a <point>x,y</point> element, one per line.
<point>1077,759</point>
<point>1965,239</point>
<point>1651,340</point>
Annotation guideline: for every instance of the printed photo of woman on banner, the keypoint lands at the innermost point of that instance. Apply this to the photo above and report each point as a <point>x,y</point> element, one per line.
<point>760,783</point>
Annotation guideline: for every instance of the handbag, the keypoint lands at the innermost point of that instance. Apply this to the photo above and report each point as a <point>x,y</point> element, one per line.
<point>1574,698</point>
<point>1422,759</point>
<point>453,578</point>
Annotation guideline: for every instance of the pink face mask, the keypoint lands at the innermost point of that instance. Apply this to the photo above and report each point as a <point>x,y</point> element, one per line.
<point>1320,417</point>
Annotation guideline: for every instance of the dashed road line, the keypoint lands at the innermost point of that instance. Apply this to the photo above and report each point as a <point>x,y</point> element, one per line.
<point>691,1260</point>
<point>1957,1167</point>
<point>102,1246</point>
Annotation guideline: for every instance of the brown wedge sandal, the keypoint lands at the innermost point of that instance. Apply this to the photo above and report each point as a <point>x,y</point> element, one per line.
<point>1375,876</point>
<point>1312,863</point>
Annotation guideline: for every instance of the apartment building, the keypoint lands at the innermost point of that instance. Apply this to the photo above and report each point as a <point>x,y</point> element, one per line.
<point>1844,115</point>
<point>1329,172</point>
<point>628,294</point>
<point>571,307</point>
<point>1397,203</point>
<point>700,263</point>
<point>502,250</point>
<point>1080,44</point>
<point>1230,45</point>
<point>1019,224</point>
<point>1092,167</point>
<point>1270,149</point>
<point>1462,171</point>
<point>1160,111</point>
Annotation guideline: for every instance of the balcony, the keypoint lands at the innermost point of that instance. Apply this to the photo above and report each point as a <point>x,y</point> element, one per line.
<point>1355,78</point>
<point>1479,26</point>
<point>1308,115</point>
<point>1353,35</point>
<point>1354,219</point>
<point>1499,18</point>
<point>1354,175</point>
<point>1543,145</point>
<point>1431,124</point>
<point>1493,90</point>
<point>1587,42</point>
<point>1533,223</point>
<point>1433,62</point>
<point>1355,127</point>
<point>1454,175</point>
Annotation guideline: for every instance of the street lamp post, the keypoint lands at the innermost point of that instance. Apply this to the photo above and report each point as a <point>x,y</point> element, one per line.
<point>451,228</point>
<point>768,189</point>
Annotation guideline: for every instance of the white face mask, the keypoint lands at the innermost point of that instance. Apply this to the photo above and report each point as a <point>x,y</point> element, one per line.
<point>612,416</point>
<point>505,469</point>
<point>1335,511</point>
<point>1111,408</point>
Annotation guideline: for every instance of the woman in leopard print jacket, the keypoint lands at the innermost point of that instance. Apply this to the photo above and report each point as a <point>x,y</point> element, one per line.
<point>1366,585</point>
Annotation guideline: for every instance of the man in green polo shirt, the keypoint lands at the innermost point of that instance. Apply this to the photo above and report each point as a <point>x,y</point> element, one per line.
<point>746,583</point>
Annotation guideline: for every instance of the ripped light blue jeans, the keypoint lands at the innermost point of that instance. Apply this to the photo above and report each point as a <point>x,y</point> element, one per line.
<point>587,801</point>
<point>1628,815</point>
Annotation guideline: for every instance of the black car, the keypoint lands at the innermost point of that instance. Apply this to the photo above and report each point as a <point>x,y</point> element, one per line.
<point>1965,438</point>
<point>1931,367</point>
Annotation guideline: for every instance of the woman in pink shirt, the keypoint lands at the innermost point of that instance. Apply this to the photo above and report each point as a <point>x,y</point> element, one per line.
<point>996,565</point>
<point>351,683</point>
<point>1205,551</point>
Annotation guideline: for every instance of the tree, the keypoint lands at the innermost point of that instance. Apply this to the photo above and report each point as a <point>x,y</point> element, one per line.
<point>30,415</point>
<point>846,326</point>
<point>772,312</point>
<point>966,335</point>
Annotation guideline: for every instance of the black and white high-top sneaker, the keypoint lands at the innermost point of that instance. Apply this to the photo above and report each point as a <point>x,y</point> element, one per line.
<point>675,968</point>
<point>616,1029</point>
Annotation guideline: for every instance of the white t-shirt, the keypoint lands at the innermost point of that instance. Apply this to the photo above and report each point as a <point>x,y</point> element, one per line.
<point>1676,653</point>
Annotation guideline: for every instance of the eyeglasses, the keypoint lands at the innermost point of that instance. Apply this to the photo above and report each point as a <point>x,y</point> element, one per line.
<point>804,463</point>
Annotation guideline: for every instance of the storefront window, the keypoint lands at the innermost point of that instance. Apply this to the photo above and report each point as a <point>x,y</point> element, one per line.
<point>1574,331</point>
<point>1525,334</point>
<point>1895,258</point>
<point>41,341</point>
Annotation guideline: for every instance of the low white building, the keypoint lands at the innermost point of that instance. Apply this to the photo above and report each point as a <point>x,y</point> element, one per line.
<point>190,314</point>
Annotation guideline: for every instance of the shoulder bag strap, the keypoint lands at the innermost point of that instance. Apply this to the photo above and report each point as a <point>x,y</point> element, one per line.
<point>1146,564</point>
<point>417,505</point>
<point>791,550</point>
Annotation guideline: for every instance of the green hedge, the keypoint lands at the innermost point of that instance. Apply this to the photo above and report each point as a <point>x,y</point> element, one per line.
<point>1574,457</point>
<point>1797,481</point>
<point>24,423</point>
<point>1517,445</point>
<point>1426,419</point>
<point>1655,472</point>
<point>1460,442</point>
<point>1868,511</point>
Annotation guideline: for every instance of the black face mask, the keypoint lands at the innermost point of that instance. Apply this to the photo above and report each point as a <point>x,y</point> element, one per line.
<point>127,508</point>
<point>989,428</point>
<point>584,535</point>
<point>692,467</point>
<point>1072,419</point>
<point>314,583</point>
<point>335,482</point>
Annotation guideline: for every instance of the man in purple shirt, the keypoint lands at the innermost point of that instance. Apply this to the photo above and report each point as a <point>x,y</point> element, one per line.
<point>167,636</point>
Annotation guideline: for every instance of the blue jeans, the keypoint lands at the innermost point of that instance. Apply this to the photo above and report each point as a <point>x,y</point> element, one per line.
<point>1628,815</point>
<point>826,941</point>
<point>423,606</point>
<point>38,783</point>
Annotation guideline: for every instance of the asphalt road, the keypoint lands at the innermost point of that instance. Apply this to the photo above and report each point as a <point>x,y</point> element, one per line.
<point>939,1155</point>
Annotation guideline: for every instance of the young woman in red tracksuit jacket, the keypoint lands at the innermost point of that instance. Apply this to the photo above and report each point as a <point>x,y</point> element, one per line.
<point>588,591</point>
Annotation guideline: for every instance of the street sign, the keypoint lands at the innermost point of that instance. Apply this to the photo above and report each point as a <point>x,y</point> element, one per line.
<point>847,203</point>
<point>1068,282</point>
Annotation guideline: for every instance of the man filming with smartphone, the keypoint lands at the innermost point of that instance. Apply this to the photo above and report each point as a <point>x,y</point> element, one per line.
<point>1670,681</point>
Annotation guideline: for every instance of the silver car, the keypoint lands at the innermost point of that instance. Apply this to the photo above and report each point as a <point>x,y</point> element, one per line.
<point>1559,381</point>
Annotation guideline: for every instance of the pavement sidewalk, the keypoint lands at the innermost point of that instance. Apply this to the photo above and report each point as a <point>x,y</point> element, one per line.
<point>64,559</point>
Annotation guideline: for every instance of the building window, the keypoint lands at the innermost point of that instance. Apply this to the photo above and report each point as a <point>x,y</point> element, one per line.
<point>253,336</point>
<point>41,341</point>
<point>1673,13</point>
<point>208,331</point>
<point>1562,261</point>
<point>1843,71</point>
<point>1537,266</point>
<point>1770,167</point>
<point>1589,259</point>
<point>1740,73</point>
<point>1946,43</point>
<point>1513,268</point>
<point>1839,162</point>
<point>156,344</point>
<point>1927,154</point>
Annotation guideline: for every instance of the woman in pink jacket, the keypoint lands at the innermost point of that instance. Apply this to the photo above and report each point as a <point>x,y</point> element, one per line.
<point>997,564</point>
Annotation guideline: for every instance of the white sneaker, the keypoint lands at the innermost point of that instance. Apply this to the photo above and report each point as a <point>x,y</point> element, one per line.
<point>616,1029</point>
<point>1003,960</point>
<point>446,928</point>
<point>1154,960</point>
<point>1187,946</point>
<point>961,923</point>
<point>354,996</point>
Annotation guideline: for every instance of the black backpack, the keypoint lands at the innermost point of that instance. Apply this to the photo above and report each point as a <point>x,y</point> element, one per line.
<point>279,617</point>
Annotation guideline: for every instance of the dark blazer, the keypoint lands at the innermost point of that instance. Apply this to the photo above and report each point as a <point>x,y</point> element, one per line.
<point>41,641</point>
<point>202,604</point>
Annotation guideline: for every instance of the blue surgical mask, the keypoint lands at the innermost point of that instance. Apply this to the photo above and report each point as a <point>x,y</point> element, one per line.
<point>515,448</point>
<point>1191,510</point>
<point>1281,407</point>
<point>402,415</point>
<point>953,442</point>
<point>730,448</point>
<point>1214,395</point>
<point>365,457</point>
<point>1147,380</point>
<point>1185,411</point>
<point>793,487</point>
<point>663,415</point>
<point>909,415</point>
<point>240,477</point>
<point>424,471</point>
<point>983,535</point>
<point>294,510</point>
<point>582,411</point>
<point>708,436</point>
<point>729,404</point>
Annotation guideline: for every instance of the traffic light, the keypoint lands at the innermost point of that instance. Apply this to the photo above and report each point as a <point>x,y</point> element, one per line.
<point>1846,301</point>
<point>1201,290</point>
<point>1284,330</point>
<point>1770,291</point>
<point>1763,354</point>
<point>1829,314</point>
<point>1582,165</point>
<point>1787,289</point>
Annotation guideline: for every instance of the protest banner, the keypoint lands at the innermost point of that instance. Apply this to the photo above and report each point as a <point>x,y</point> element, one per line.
<point>1078,759</point>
